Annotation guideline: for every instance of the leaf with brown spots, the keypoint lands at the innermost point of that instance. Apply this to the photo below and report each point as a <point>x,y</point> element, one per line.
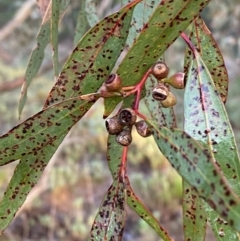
<point>109,221</point>
<point>163,27</point>
<point>93,58</point>
<point>114,157</point>
<point>197,166</point>
<point>41,130</point>
<point>34,142</point>
<point>194,215</point>
<point>207,47</point>
<point>206,121</point>
<point>135,204</point>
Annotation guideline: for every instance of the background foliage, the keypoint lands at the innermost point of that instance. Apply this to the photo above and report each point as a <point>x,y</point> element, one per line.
<point>76,179</point>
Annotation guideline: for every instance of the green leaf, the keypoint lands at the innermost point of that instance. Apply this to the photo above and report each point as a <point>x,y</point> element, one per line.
<point>91,12</point>
<point>207,47</point>
<point>135,204</point>
<point>220,227</point>
<point>206,120</point>
<point>37,55</point>
<point>41,129</point>
<point>114,157</point>
<point>81,25</point>
<point>94,57</point>
<point>194,215</point>
<point>141,15</point>
<point>198,168</point>
<point>34,142</point>
<point>54,34</point>
<point>163,27</point>
<point>109,221</point>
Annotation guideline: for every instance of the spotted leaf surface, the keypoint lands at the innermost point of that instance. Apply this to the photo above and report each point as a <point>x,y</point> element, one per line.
<point>37,55</point>
<point>141,15</point>
<point>163,116</point>
<point>220,227</point>
<point>34,142</point>
<point>114,156</point>
<point>197,166</point>
<point>194,215</point>
<point>94,57</point>
<point>164,26</point>
<point>41,130</point>
<point>31,141</point>
<point>146,215</point>
<point>25,177</point>
<point>206,120</point>
<point>207,47</point>
<point>109,222</point>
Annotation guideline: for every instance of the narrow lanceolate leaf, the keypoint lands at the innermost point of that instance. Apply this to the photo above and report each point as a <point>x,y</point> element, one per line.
<point>146,215</point>
<point>82,24</point>
<point>163,116</point>
<point>207,47</point>
<point>206,120</point>
<point>40,130</point>
<point>54,34</point>
<point>194,215</point>
<point>163,27</point>
<point>94,57</point>
<point>25,177</point>
<point>109,222</point>
<point>114,156</point>
<point>141,15</point>
<point>34,142</point>
<point>91,12</point>
<point>37,54</point>
<point>199,169</point>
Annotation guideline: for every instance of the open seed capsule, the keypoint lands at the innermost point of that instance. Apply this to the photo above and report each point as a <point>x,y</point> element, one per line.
<point>124,138</point>
<point>127,117</point>
<point>160,92</point>
<point>113,82</point>
<point>142,128</point>
<point>169,101</point>
<point>160,70</point>
<point>113,126</point>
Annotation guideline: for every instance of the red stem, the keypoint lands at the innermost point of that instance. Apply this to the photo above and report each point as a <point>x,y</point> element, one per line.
<point>189,43</point>
<point>124,161</point>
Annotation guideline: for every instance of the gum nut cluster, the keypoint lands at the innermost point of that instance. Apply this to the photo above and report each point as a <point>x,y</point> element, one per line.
<point>161,92</point>
<point>121,126</point>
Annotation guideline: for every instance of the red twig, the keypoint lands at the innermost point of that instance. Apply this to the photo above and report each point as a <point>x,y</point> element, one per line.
<point>189,43</point>
<point>124,161</point>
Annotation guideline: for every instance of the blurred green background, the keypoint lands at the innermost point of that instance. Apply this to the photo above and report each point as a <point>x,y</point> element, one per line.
<point>64,203</point>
